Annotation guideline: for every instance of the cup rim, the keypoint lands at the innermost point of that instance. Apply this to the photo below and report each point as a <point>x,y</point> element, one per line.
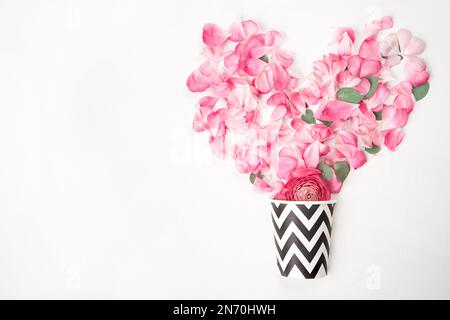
<point>332,201</point>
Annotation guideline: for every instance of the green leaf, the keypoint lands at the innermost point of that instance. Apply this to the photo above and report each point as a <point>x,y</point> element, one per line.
<point>421,91</point>
<point>373,150</point>
<point>349,95</point>
<point>327,171</point>
<point>253,177</point>
<point>341,169</point>
<point>373,87</point>
<point>308,116</point>
<point>378,115</point>
<point>264,58</point>
<point>327,123</point>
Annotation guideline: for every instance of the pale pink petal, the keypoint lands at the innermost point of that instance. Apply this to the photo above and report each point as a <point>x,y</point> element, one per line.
<point>284,58</point>
<point>206,68</point>
<point>298,102</point>
<point>270,132</point>
<point>345,46</point>
<point>393,139</point>
<point>197,82</point>
<point>281,78</point>
<point>394,60</point>
<point>213,35</point>
<point>348,137</point>
<point>344,32</point>
<point>334,184</point>
<point>419,78</point>
<point>214,122</point>
<point>297,124</point>
<point>255,66</point>
<point>415,47</point>
<point>303,134</point>
<point>386,22</point>
<point>370,68</point>
<point>369,49</point>
<point>375,103</point>
<point>208,102</point>
<point>241,30</point>
<point>231,62</point>
<point>287,162</point>
<point>324,149</point>
<point>310,95</point>
<point>354,65</point>
<point>320,132</point>
<point>198,123</point>
<point>403,88</point>
<point>311,155</point>
<point>415,64</point>
<point>277,99</point>
<point>259,51</point>
<point>262,186</point>
<point>376,26</point>
<point>362,68</point>
<point>416,71</point>
<point>272,38</point>
<point>363,86</point>
<point>278,113</point>
<point>217,143</point>
<point>404,37</point>
<point>222,89</point>
<point>346,80</point>
<point>356,158</point>
<point>264,81</point>
<point>390,46</point>
<point>394,118</point>
<point>336,109</point>
<point>404,102</point>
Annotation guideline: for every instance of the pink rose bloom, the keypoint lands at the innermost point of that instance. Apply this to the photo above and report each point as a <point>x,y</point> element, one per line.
<point>306,184</point>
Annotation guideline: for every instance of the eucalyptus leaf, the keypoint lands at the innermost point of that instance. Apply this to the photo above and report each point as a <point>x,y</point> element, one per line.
<point>308,116</point>
<point>349,95</point>
<point>327,171</point>
<point>341,169</point>
<point>327,123</point>
<point>421,91</point>
<point>253,177</point>
<point>378,115</point>
<point>265,58</point>
<point>373,150</point>
<point>373,87</point>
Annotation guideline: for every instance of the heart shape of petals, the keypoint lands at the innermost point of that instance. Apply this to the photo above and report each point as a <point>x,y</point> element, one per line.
<point>299,136</point>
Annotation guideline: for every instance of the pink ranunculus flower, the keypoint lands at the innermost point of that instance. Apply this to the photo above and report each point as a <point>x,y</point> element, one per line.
<point>305,184</point>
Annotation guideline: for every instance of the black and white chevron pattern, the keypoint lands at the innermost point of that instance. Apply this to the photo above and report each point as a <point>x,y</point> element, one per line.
<point>302,233</point>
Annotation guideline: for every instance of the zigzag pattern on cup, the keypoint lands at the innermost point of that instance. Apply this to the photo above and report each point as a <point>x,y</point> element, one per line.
<point>302,237</point>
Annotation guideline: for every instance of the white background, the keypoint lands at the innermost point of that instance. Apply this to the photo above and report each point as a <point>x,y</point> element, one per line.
<point>105,191</point>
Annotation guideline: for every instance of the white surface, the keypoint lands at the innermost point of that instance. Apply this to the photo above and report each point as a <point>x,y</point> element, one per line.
<point>105,192</point>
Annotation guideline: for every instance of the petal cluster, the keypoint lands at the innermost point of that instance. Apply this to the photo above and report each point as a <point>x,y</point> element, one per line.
<point>298,136</point>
